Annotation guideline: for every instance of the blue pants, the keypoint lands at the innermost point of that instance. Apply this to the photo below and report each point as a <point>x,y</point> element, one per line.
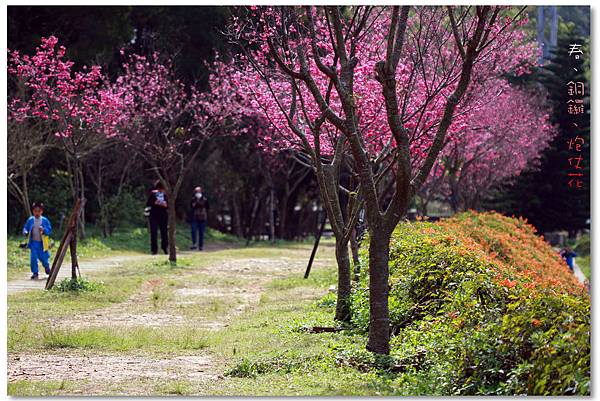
<point>198,226</point>
<point>37,252</point>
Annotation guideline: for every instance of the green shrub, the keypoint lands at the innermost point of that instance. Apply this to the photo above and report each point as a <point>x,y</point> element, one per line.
<point>463,302</point>
<point>583,245</point>
<point>78,285</point>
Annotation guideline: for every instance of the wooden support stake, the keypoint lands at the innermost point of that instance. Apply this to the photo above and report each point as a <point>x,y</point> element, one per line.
<point>314,251</point>
<point>64,245</point>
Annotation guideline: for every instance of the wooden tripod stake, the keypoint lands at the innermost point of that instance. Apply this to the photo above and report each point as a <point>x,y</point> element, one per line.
<point>66,242</point>
<point>315,247</point>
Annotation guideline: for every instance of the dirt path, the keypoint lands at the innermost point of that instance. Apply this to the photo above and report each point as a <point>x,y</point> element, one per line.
<point>90,266</point>
<point>87,266</point>
<point>208,298</point>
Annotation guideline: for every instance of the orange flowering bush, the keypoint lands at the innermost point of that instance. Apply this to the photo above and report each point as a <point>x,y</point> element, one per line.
<point>514,246</point>
<point>489,303</point>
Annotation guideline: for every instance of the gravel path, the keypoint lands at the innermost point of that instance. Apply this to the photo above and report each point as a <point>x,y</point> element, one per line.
<point>101,370</point>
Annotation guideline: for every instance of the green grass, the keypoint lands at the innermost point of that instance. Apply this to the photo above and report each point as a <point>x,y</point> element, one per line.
<point>582,246</point>
<point>264,351</point>
<point>165,340</point>
<point>268,352</point>
<point>36,388</point>
<point>585,265</point>
<point>124,241</point>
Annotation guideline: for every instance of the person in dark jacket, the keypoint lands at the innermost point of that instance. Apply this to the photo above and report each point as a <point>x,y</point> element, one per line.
<point>198,217</point>
<point>568,255</point>
<point>158,203</point>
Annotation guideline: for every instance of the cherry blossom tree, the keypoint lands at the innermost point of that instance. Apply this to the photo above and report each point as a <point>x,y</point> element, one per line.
<point>167,122</point>
<point>78,106</point>
<point>507,134</point>
<point>385,88</point>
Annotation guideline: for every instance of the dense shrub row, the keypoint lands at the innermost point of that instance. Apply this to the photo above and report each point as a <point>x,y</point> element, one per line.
<point>481,305</point>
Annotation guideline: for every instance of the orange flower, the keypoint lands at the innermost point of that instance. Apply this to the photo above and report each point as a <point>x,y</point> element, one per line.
<point>508,283</point>
<point>536,322</point>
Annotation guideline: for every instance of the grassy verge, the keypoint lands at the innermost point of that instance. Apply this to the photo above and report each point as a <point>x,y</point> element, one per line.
<point>31,313</point>
<point>582,246</point>
<point>125,241</point>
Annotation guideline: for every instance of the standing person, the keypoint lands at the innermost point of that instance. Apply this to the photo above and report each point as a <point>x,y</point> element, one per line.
<point>568,255</point>
<point>198,217</point>
<point>158,201</point>
<point>38,228</point>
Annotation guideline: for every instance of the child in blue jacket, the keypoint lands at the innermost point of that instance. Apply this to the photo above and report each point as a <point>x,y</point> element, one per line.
<point>38,228</point>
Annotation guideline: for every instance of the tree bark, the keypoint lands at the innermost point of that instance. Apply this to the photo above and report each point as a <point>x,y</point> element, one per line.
<point>172,212</point>
<point>379,323</point>
<point>283,202</point>
<point>25,189</point>
<point>73,250</point>
<point>342,309</point>
<point>236,223</point>
<point>355,258</point>
<point>81,220</point>
<point>272,215</point>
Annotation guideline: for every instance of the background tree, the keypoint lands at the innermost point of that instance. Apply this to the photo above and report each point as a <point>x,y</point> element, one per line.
<point>505,136</point>
<point>551,204</point>
<point>26,142</point>
<point>167,123</point>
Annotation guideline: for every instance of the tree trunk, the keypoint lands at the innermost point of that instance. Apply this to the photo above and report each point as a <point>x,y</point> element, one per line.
<point>283,202</point>
<point>236,224</point>
<point>172,229</point>
<point>78,194</point>
<point>342,309</point>
<point>253,217</point>
<point>354,248</point>
<point>81,195</point>
<point>73,249</point>
<point>25,191</point>
<point>379,323</point>
<point>272,215</point>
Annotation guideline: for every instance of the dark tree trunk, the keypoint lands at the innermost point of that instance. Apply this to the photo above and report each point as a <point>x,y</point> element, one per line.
<point>73,249</point>
<point>272,215</point>
<point>236,224</point>
<point>81,189</point>
<point>379,323</point>
<point>78,194</point>
<point>25,189</point>
<point>283,202</point>
<point>342,309</point>
<point>355,259</point>
<point>172,229</point>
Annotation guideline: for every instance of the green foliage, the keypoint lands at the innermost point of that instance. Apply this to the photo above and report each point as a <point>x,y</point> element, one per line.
<point>583,245</point>
<point>125,210</point>
<point>78,285</point>
<point>282,363</point>
<point>328,301</point>
<point>464,327</point>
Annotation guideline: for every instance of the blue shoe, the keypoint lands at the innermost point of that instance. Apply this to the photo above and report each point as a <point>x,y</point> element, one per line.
<point>47,269</point>
<point>34,276</point>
